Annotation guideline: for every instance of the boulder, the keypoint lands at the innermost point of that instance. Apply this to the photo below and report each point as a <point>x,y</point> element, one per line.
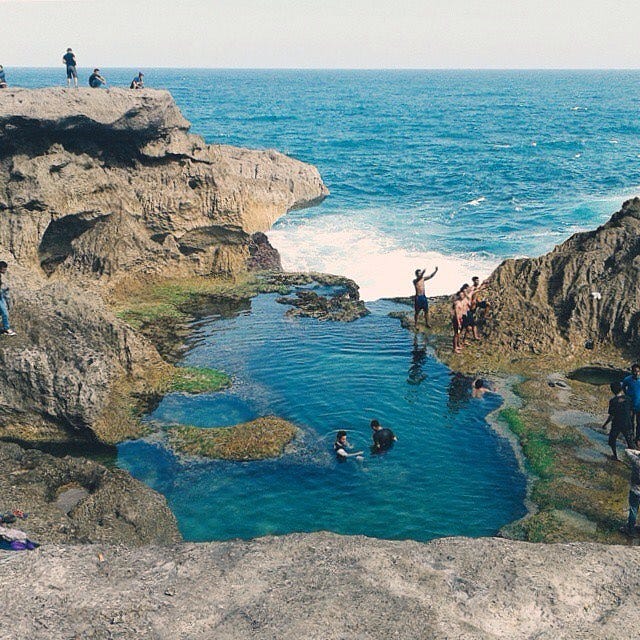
<point>582,293</point>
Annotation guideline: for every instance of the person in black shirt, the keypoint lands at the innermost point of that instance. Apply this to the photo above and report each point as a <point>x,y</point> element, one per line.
<point>383,438</point>
<point>96,80</point>
<point>3,79</point>
<point>620,408</point>
<point>69,59</point>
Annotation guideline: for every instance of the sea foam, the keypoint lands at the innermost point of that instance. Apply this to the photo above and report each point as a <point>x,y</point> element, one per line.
<point>340,245</point>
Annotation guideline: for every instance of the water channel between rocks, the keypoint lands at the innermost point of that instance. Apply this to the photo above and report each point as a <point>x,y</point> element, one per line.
<point>449,473</point>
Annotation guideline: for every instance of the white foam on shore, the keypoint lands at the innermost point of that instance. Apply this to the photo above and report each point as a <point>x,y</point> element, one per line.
<point>383,269</point>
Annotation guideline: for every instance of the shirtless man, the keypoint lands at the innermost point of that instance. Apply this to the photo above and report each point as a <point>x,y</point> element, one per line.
<point>459,309</point>
<point>421,303</point>
<point>470,320</point>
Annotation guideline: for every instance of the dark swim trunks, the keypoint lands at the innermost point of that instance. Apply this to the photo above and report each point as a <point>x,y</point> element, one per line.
<point>421,303</point>
<point>456,325</point>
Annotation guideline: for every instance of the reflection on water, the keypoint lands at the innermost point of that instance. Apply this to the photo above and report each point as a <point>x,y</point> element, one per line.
<point>325,377</point>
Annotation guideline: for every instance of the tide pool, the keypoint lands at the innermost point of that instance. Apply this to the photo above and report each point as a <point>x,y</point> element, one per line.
<point>449,473</point>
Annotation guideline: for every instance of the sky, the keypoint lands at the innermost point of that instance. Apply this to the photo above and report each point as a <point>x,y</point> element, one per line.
<point>371,34</point>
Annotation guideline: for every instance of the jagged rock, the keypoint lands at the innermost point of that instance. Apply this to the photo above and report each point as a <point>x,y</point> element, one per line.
<point>325,586</point>
<point>263,257</point>
<point>585,290</point>
<point>100,183</point>
<point>74,500</point>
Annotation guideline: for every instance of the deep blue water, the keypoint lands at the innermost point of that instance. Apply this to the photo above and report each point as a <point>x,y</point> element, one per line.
<point>455,168</point>
<point>449,473</point>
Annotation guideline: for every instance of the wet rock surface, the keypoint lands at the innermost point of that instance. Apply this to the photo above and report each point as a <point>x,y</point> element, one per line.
<point>75,500</point>
<point>324,586</point>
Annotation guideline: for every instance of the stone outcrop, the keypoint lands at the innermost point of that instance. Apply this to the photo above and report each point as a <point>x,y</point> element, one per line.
<point>323,587</point>
<point>98,183</point>
<point>94,186</point>
<point>73,500</point>
<point>582,293</point>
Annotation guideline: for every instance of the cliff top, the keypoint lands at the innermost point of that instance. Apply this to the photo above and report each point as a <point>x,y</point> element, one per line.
<point>148,113</point>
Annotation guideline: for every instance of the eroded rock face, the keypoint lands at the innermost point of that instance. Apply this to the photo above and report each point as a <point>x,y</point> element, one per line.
<point>74,500</point>
<point>586,290</point>
<point>104,182</point>
<point>323,586</point>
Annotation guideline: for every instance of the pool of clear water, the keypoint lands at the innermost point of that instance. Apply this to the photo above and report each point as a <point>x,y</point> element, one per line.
<point>448,474</point>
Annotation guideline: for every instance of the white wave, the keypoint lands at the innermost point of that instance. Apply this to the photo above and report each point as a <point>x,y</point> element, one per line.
<point>383,269</point>
<point>476,202</point>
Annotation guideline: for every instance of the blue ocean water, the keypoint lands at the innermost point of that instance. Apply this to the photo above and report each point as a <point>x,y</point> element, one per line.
<point>456,168</point>
<point>448,474</point>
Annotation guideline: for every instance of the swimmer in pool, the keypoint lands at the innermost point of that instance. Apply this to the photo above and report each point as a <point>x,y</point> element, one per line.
<point>383,438</point>
<point>341,445</point>
<point>478,388</point>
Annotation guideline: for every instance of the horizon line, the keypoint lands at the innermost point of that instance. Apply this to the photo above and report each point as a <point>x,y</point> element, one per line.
<point>107,66</point>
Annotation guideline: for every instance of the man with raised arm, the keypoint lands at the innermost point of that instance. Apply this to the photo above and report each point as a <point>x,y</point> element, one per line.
<point>420,302</point>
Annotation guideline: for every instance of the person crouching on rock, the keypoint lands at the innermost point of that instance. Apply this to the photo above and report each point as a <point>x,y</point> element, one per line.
<point>620,412</point>
<point>383,438</point>
<point>341,445</point>
<point>5,301</point>
<point>96,80</point>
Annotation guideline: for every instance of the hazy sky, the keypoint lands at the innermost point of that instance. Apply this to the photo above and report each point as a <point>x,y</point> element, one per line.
<point>323,33</point>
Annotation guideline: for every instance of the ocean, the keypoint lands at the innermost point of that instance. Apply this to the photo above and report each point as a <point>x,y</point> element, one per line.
<point>459,169</point>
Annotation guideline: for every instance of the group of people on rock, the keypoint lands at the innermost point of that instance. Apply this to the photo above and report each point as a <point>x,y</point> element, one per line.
<point>468,309</point>
<point>95,79</point>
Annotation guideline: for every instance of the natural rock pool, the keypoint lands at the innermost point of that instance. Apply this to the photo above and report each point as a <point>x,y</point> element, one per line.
<point>449,473</point>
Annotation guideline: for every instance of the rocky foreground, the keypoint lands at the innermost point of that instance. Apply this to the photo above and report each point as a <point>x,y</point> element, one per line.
<point>324,586</point>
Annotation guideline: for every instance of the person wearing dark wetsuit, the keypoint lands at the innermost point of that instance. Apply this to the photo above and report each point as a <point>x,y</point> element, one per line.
<point>383,438</point>
<point>620,412</point>
<point>69,59</point>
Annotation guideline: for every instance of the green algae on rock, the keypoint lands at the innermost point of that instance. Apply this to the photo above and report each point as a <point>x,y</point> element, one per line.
<point>198,380</point>
<point>256,440</point>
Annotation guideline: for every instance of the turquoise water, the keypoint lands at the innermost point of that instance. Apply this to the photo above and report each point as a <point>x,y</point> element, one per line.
<point>455,168</point>
<point>449,473</point>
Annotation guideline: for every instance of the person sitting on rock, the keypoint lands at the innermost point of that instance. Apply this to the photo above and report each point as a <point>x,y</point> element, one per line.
<point>620,412</point>
<point>3,79</point>
<point>383,438</point>
<point>421,303</point>
<point>341,445</point>
<point>69,59</point>
<point>631,387</point>
<point>96,80</point>
<point>5,301</point>
<point>138,81</point>
<point>634,492</point>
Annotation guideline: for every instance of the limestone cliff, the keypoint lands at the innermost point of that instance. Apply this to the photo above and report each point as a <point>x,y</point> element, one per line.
<point>584,291</point>
<point>102,182</point>
<point>96,185</point>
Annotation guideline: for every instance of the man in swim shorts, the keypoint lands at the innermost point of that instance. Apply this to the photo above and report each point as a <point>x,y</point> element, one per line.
<point>459,308</point>
<point>69,59</point>
<point>383,438</point>
<point>420,302</point>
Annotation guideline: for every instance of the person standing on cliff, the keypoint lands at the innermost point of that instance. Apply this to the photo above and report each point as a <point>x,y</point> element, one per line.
<point>421,303</point>
<point>3,79</point>
<point>69,58</point>
<point>138,81</point>
<point>631,387</point>
<point>5,301</point>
